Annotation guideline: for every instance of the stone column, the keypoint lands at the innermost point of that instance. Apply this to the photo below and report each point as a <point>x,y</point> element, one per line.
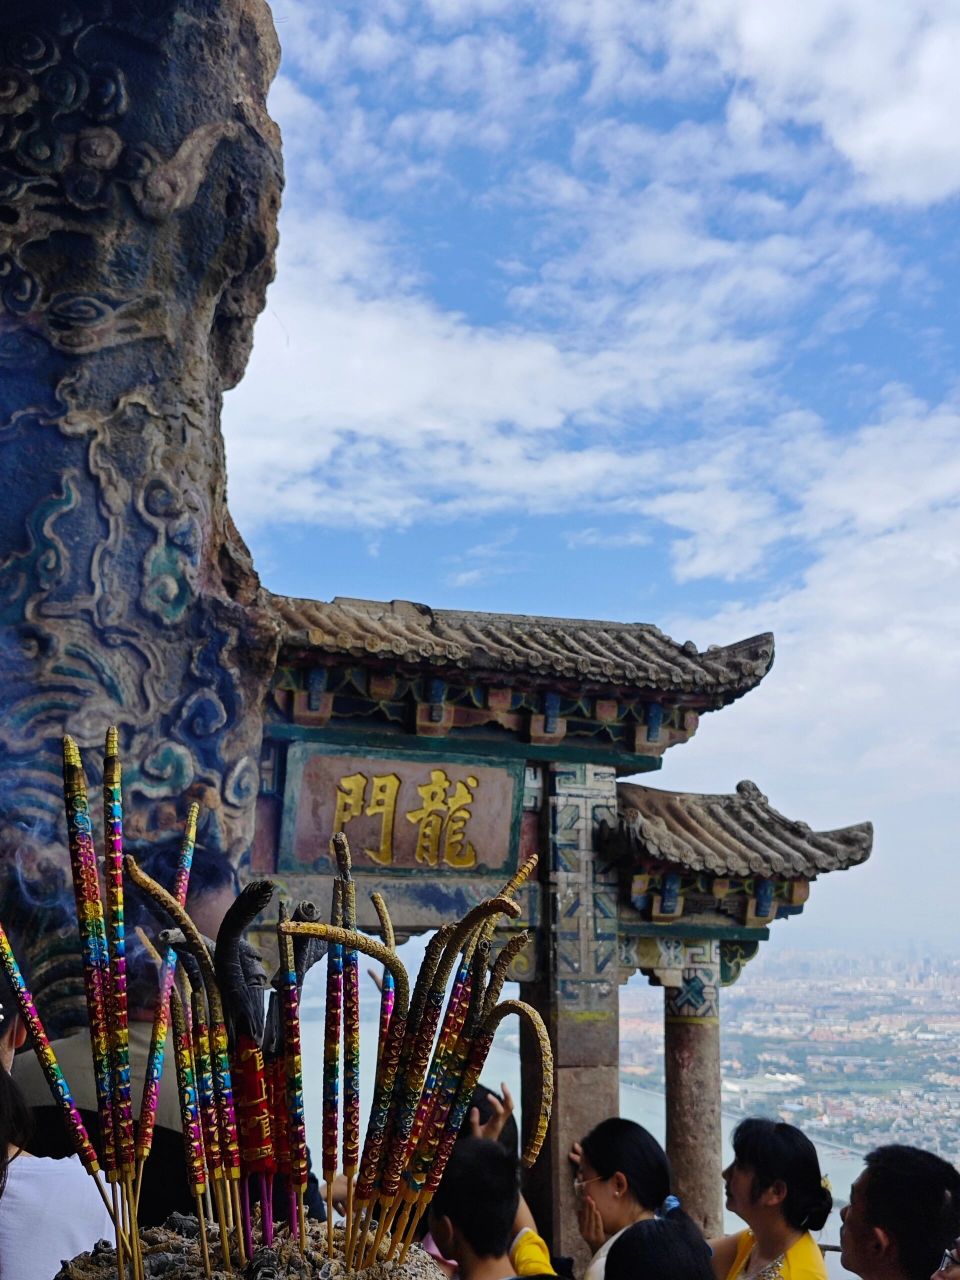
<point>692,1069</point>
<point>140,179</point>
<point>577,991</point>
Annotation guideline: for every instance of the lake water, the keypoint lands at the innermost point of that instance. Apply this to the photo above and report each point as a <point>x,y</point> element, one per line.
<point>643,1105</point>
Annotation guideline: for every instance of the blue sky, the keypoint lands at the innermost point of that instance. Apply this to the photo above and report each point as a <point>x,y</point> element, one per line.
<point>647,311</point>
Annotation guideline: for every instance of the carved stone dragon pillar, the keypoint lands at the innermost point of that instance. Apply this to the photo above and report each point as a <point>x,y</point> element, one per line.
<point>140,179</point>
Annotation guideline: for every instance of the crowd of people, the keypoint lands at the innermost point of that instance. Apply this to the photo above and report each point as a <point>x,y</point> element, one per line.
<point>902,1221</point>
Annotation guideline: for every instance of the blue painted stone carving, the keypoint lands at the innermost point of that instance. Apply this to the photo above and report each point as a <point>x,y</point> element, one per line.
<point>140,179</point>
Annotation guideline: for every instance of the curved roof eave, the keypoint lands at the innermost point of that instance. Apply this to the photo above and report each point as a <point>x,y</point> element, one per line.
<point>626,657</point>
<point>739,834</point>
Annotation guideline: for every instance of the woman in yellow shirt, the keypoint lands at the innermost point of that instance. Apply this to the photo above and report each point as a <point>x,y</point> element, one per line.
<point>775,1185</point>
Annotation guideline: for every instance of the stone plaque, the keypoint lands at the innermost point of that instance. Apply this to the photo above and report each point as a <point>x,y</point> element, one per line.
<point>433,814</point>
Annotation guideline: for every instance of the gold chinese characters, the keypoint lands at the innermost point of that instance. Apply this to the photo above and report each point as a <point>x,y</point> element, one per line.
<point>441,818</point>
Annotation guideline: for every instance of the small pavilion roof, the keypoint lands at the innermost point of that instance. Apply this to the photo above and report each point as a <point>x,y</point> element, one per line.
<point>500,647</point>
<point>738,835</point>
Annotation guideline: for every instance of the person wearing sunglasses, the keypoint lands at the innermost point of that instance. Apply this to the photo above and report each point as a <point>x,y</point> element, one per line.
<point>903,1218</point>
<point>622,1177</point>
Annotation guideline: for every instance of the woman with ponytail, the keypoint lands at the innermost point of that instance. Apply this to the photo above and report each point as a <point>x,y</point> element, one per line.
<point>623,1177</point>
<point>775,1185</point>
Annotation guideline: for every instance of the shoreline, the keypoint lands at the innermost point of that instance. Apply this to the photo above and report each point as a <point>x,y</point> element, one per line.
<point>839,1147</point>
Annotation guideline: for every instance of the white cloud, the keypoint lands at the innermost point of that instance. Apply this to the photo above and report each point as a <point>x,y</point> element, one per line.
<point>384,408</point>
<point>860,716</point>
<point>593,537</point>
<point>676,204</point>
<point>878,80</point>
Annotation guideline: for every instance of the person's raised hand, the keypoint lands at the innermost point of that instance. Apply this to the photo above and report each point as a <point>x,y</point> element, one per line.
<point>339,1186</point>
<point>377,978</point>
<point>501,1113</point>
<point>590,1223</point>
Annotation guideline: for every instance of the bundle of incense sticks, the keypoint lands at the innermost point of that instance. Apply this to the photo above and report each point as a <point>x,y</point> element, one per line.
<point>428,1065</point>
<point>431,1049</point>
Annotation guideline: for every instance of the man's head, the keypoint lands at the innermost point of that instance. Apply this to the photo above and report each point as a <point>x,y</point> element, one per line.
<point>904,1211</point>
<point>473,1211</point>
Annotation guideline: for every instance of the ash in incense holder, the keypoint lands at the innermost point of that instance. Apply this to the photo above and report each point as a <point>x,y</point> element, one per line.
<point>240,1072</point>
<point>173,1250</point>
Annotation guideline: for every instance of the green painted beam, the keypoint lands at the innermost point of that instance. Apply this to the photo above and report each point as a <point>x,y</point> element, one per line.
<point>508,749</point>
<point>695,932</point>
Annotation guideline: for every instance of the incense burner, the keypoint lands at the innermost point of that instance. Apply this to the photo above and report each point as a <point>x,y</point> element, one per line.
<point>173,1250</point>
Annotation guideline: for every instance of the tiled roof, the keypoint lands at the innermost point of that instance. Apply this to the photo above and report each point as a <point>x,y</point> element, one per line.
<point>502,646</point>
<point>737,835</point>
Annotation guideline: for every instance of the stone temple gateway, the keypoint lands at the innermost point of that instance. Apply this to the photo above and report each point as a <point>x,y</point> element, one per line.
<point>449,746</point>
<point>140,179</point>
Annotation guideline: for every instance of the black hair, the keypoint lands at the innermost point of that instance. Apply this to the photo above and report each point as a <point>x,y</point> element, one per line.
<point>16,1122</point>
<point>774,1151</point>
<point>914,1196</point>
<point>16,1117</point>
<point>509,1137</point>
<point>623,1146</point>
<point>667,1248</point>
<point>479,1193</point>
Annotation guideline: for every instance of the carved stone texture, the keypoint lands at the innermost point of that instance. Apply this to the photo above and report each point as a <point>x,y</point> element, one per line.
<point>140,179</point>
<point>576,990</point>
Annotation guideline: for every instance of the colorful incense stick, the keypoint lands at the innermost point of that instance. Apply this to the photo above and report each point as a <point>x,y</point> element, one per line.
<point>331,1057</point>
<point>209,1123</point>
<point>158,1035</point>
<point>351,1027</point>
<point>253,1121</point>
<point>450,1071</point>
<point>206,1098</point>
<point>229,1144</point>
<point>296,1133</point>
<point>389,1059</point>
<point>117,1021</point>
<point>190,1117</point>
<point>455,1067</point>
<point>203,1066</point>
<point>478,1056</point>
<point>48,1060</point>
<point>423,1027</point>
<point>93,942</point>
<point>119,1028</point>
<point>433,1112</point>
<point>243,998</point>
<point>387,990</point>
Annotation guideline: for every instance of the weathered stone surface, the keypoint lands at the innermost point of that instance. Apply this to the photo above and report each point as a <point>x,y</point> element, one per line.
<point>692,1071</point>
<point>140,179</point>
